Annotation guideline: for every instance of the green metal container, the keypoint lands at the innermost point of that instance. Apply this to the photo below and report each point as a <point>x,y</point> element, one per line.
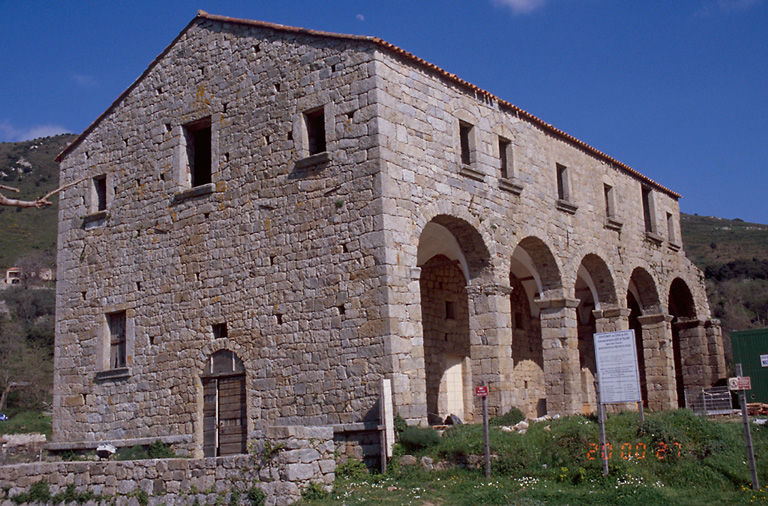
<point>750,347</point>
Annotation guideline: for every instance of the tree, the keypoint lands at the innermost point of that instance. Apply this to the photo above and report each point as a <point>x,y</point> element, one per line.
<point>41,202</point>
<point>21,365</point>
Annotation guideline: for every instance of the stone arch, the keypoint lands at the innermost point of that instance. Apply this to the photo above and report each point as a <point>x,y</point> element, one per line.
<point>224,405</point>
<point>533,274</point>
<point>594,288</point>
<point>682,308</point>
<point>642,299</point>
<point>451,255</point>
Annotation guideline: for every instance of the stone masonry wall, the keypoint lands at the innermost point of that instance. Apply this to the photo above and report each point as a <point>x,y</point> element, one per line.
<point>299,456</point>
<point>286,255</point>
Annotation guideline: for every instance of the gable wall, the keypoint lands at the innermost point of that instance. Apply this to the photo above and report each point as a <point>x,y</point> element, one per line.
<point>269,239</point>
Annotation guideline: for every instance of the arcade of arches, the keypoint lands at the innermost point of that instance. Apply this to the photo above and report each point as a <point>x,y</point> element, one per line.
<point>531,341</point>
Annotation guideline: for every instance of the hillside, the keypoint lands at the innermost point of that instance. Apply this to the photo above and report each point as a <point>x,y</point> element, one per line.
<point>29,166</point>
<point>713,241</point>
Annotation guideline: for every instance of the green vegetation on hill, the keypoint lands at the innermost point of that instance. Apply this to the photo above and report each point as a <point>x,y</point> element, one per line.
<point>29,166</point>
<point>734,257</point>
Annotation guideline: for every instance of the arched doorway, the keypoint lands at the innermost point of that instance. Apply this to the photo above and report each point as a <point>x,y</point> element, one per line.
<point>642,299</point>
<point>533,274</point>
<point>681,308</point>
<point>594,289</point>
<point>224,405</point>
<point>450,254</point>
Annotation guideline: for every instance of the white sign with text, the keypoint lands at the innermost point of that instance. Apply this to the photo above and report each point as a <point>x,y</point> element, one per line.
<point>616,360</point>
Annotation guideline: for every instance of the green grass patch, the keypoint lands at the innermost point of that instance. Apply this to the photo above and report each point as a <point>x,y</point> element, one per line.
<point>27,421</point>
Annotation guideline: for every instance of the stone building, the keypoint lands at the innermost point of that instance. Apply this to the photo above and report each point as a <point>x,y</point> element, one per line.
<point>272,219</point>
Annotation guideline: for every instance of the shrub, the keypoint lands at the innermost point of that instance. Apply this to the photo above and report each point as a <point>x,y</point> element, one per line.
<point>256,496</point>
<point>511,417</point>
<point>415,438</point>
<point>160,450</point>
<point>313,492</point>
<point>352,470</point>
<point>400,425</point>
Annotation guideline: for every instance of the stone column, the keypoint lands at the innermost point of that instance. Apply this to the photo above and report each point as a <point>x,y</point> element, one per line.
<point>490,345</point>
<point>611,319</point>
<point>659,361</point>
<point>560,342</point>
<point>714,333</point>
<point>694,352</point>
<point>404,344</point>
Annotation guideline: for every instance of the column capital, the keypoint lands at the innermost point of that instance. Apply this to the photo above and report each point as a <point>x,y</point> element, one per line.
<point>688,323</point>
<point>712,322</point>
<point>488,289</point>
<point>556,303</point>
<point>650,319</point>
<point>611,312</point>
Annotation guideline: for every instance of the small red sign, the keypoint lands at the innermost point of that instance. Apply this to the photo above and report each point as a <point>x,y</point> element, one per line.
<point>481,391</point>
<point>740,383</point>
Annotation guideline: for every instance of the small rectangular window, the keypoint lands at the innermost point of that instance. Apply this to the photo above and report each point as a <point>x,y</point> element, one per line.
<point>116,328</point>
<point>563,191</point>
<point>465,132</point>
<point>505,157</point>
<point>198,137</point>
<point>450,310</point>
<point>610,206</point>
<point>670,228</point>
<point>219,330</point>
<point>315,124</point>
<point>99,201</point>
<point>648,211</point>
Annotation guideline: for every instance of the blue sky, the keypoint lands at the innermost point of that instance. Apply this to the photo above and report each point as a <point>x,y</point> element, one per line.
<point>676,89</point>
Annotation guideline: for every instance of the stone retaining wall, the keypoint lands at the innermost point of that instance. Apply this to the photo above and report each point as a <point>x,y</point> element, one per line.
<point>282,466</point>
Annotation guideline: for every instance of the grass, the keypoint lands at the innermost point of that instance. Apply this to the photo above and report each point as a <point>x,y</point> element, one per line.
<point>675,457</point>
<point>27,421</point>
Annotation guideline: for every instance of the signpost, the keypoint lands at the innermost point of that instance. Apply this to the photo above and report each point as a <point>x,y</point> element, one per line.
<point>743,383</point>
<point>617,379</point>
<point>482,392</point>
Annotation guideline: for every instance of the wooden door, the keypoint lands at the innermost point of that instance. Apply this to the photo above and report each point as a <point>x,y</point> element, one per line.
<point>224,422</point>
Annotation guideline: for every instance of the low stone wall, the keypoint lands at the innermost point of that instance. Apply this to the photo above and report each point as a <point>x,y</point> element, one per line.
<point>282,465</point>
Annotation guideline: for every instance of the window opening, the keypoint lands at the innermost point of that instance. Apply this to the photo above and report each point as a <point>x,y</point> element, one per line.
<point>100,192</point>
<point>465,130</point>
<point>450,310</point>
<point>198,136</point>
<point>610,210</point>
<point>315,122</point>
<point>563,192</point>
<point>219,330</point>
<point>648,210</point>
<point>505,157</point>
<point>670,227</point>
<point>116,324</point>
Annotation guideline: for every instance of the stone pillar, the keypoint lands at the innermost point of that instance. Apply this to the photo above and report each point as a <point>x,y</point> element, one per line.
<point>560,341</point>
<point>659,361</point>
<point>694,353</point>
<point>611,319</point>
<point>404,344</point>
<point>714,333</point>
<point>490,345</point>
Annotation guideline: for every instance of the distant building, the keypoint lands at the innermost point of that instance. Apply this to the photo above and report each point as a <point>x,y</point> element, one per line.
<point>13,276</point>
<point>275,218</point>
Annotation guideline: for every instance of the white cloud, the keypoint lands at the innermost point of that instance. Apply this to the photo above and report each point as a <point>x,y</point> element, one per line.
<point>360,17</point>
<point>713,7</point>
<point>84,80</point>
<point>521,6</point>
<point>9,133</point>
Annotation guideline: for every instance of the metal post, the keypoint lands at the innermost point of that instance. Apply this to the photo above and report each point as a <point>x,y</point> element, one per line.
<point>601,421</point>
<point>486,438</point>
<point>747,433</point>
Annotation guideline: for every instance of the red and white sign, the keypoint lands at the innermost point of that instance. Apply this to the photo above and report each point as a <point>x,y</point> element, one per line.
<point>740,383</point>
<point>481,391</point>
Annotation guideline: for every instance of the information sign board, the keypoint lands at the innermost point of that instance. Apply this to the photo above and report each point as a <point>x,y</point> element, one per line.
<point>740,383</point>
<point>617,369</point>
<point>764,360</point>
<point>481,391</point>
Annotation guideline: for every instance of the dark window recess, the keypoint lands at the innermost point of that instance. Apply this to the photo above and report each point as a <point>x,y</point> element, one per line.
<point>341,309</point>
<point>315,121</point>
<point>450,310</point>
<point>199,151</point>
<point>464,132</point>
<point>100,190</point>
<point>116,323</point>
<point>670,228</point>
<point>608,194</point>
<point>647,210</point>
<point>219,330</point>
<point>562,182</point>
<point>504,152</point>
<point>279,318</point>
